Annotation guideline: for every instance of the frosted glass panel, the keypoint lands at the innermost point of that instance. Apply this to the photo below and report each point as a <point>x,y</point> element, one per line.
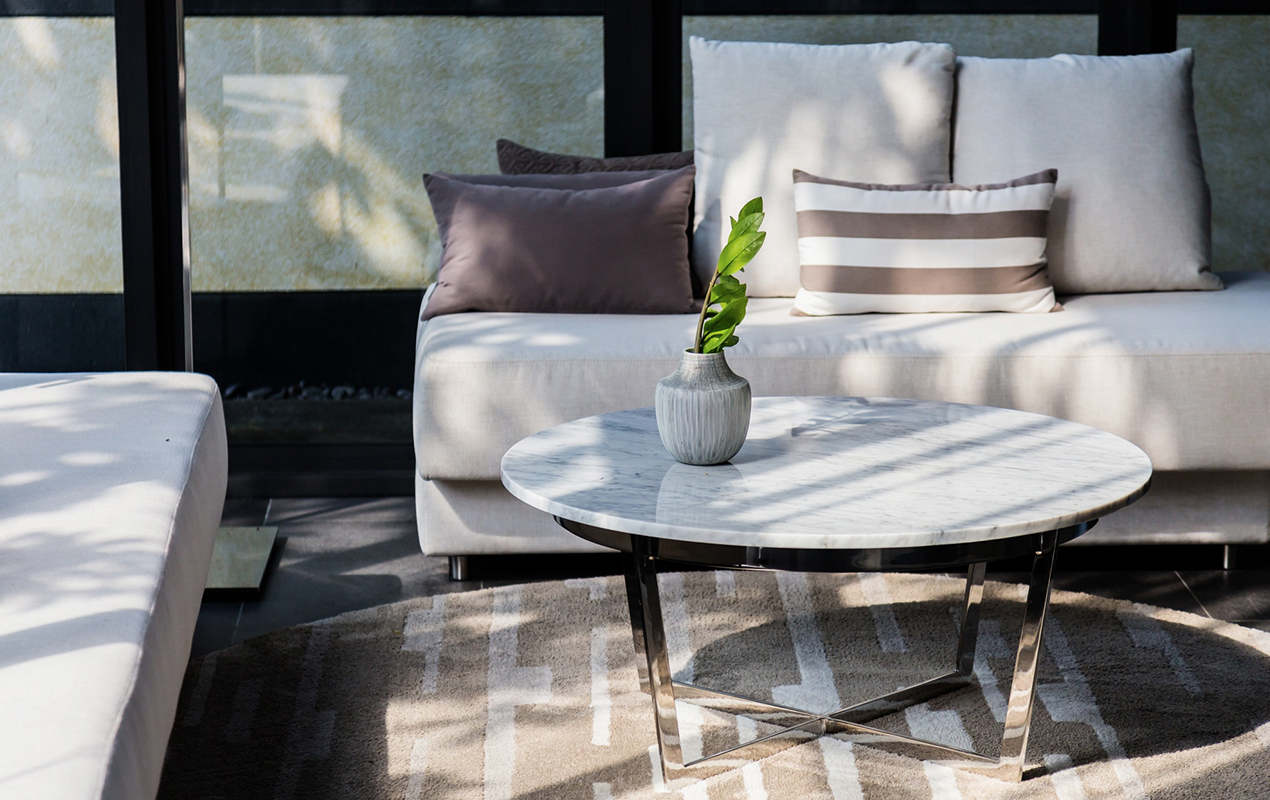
<point>1232,105</point>
<point>309,137</point>
<point>59,157</point>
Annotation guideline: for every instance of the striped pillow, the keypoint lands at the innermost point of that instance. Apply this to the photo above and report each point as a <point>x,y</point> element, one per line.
<point>923,247</point>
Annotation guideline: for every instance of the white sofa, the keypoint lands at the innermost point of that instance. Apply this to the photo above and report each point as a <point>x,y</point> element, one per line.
<point>1184,375</point>
<point>111,488</point>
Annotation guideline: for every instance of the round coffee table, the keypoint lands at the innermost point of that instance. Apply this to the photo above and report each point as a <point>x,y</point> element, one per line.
<point>837,484</point>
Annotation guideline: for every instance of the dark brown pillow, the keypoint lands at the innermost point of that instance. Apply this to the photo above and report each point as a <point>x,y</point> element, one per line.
<point>516,159</point>
<point>611,250</point>
<point>581,180</point>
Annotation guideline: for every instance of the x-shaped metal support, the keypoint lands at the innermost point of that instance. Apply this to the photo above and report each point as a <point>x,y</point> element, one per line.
<point>797,725</point>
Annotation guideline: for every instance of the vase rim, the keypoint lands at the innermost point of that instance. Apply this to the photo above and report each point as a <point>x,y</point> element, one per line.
<point>688,352</point>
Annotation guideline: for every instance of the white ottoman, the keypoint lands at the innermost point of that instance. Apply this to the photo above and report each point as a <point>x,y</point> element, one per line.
<point>111,489</point>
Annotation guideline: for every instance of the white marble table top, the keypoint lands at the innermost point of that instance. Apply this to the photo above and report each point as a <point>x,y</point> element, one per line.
<point>835,473</point>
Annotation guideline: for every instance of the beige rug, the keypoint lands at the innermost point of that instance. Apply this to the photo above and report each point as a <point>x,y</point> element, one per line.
<point>530,691</point>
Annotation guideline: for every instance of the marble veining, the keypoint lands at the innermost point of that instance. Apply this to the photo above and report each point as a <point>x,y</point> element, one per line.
<point>835,473</point>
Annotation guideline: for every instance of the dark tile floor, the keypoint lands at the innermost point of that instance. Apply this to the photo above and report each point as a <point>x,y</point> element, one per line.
<point>335,555</point>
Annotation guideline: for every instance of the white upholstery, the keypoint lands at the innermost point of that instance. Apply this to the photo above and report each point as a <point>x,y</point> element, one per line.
<point>875,113</point>
<point>1131,209</point>
<point>1184,375</point>
<point>481,517</point>
<point>111,489</point>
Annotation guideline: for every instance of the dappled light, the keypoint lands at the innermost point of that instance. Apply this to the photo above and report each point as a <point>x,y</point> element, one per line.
<point>110,490</point>
<point>533,688</point>
<point>37,37</point>
<point>74,523</point>
<point>1109,361</point>
<point>269,119</point>
<point>309,147</point>
<point>290,250</point>
<point>59,148</point>
<point>896,472</point>
<point>107,120</point>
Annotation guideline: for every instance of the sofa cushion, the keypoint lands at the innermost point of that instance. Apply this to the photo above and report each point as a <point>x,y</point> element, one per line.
<point>875,113</point>
<point>1131,209</point>
<point>1183,375</point>
<point>517,159</point>
<point>111,489</point>
<point>922,247</point>
<point>569,180</point>
<point>614,249</point>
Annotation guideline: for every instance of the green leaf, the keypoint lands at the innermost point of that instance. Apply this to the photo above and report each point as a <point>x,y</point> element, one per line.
<point>740,238</point>
<point>715,344</point>
<point>740,251</point>
<point>746,225</point>
<point>733,306</point>
<point>721,326</point>
<point>726,304</point>
<point>755,206</point>
<point>724,292</point>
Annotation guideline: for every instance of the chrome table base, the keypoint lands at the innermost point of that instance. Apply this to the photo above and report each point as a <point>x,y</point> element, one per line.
<point>798,725</point>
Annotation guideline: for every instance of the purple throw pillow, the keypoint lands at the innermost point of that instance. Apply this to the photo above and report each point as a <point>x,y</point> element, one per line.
<point>607,250</point>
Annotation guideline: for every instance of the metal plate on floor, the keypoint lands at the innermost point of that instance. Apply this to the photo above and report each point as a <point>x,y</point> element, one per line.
<point>240,556</point>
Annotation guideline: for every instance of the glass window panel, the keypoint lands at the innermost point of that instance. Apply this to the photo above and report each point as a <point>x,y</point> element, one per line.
<point>61,306</point>
<point>1232,106</point>
<point>312,237</point>
<point>309,137</point>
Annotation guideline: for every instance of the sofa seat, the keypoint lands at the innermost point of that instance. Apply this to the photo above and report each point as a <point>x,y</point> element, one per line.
<point>111,488</point>
<point>1183,375</point>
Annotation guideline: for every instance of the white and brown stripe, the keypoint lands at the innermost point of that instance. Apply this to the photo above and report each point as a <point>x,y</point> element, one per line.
<point>923,247</point>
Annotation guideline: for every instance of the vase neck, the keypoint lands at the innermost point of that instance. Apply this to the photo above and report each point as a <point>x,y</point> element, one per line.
<point>704,365</point>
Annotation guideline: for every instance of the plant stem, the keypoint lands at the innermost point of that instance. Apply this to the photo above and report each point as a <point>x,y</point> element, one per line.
<point>697,344</point>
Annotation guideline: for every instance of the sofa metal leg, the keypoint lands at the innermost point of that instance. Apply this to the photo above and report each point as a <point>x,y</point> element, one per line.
<point>459,570</point>
<point>1228,557</point>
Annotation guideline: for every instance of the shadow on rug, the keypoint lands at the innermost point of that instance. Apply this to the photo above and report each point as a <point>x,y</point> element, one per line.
<point>531,692</point>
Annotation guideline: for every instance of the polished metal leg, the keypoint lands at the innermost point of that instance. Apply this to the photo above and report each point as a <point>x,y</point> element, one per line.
<point>1018,715</point>
<point>643,572</point>
<point>901,699</point>
<point>459,570</point>
<point>644,601</point>
<point>737,704</point>
<point>650,645</point>
<point>969,637</point>
<point>635,605</point>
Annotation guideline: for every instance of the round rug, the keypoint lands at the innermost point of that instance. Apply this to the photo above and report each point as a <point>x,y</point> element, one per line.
<point>530,691</point>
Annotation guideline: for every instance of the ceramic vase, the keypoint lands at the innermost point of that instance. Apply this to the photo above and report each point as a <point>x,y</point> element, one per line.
<point>703,410</point>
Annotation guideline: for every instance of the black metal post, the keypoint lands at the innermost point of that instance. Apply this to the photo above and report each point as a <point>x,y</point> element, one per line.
<point>153,183</point>
<point>643,77</point>
<point>1130,27</point>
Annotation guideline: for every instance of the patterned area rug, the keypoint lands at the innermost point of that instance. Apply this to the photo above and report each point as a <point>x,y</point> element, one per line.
<point>530,692</point>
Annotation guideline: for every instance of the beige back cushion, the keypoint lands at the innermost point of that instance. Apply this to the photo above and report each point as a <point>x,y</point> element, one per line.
<point>877,113</point>
<point>1131,208</point>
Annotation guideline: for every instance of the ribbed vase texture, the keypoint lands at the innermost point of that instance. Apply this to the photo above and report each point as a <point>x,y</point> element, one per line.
<point>703,410</point>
